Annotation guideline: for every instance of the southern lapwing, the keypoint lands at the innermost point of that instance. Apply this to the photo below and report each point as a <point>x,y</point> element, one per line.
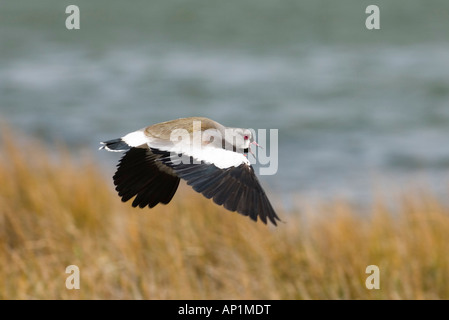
<point>210,157</point>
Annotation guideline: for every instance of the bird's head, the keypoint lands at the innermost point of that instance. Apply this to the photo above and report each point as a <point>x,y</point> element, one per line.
<point>240,139</point>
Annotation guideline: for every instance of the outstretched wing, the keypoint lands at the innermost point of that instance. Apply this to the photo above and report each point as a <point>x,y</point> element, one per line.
<point>140,174</point>
<point>227,177</point>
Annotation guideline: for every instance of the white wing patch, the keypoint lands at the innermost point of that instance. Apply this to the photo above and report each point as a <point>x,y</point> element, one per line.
<point>219,157</point>
<point>136,138</point>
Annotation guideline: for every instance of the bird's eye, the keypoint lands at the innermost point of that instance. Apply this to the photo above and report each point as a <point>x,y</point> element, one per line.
<point>245,137</point>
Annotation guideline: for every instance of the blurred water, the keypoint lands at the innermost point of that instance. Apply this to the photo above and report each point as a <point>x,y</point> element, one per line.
<point>355,109</point>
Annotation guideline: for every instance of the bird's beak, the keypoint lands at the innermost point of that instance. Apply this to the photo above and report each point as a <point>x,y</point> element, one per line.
<point>257,145</point>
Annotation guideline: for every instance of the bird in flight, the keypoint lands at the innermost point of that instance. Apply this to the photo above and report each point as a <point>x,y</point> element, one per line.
<point>210,157</point>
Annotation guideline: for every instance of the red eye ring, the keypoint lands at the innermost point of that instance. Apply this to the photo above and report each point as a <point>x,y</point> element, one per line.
<point>245,137</point>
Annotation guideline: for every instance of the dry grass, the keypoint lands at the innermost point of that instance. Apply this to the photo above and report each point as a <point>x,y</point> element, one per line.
<point>55,213</point>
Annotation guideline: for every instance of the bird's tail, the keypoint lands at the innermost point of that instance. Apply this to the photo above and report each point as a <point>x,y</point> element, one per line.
<point>115,145</point>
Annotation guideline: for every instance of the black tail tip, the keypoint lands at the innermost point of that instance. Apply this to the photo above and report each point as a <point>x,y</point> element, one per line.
<point>115,145</point>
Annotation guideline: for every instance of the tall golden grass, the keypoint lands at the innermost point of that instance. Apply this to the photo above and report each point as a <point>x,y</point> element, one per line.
<point>61,210</point>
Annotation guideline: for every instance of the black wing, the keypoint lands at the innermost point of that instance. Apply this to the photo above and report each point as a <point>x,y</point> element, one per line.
<point>140,174</point>
<point>236,188</point>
